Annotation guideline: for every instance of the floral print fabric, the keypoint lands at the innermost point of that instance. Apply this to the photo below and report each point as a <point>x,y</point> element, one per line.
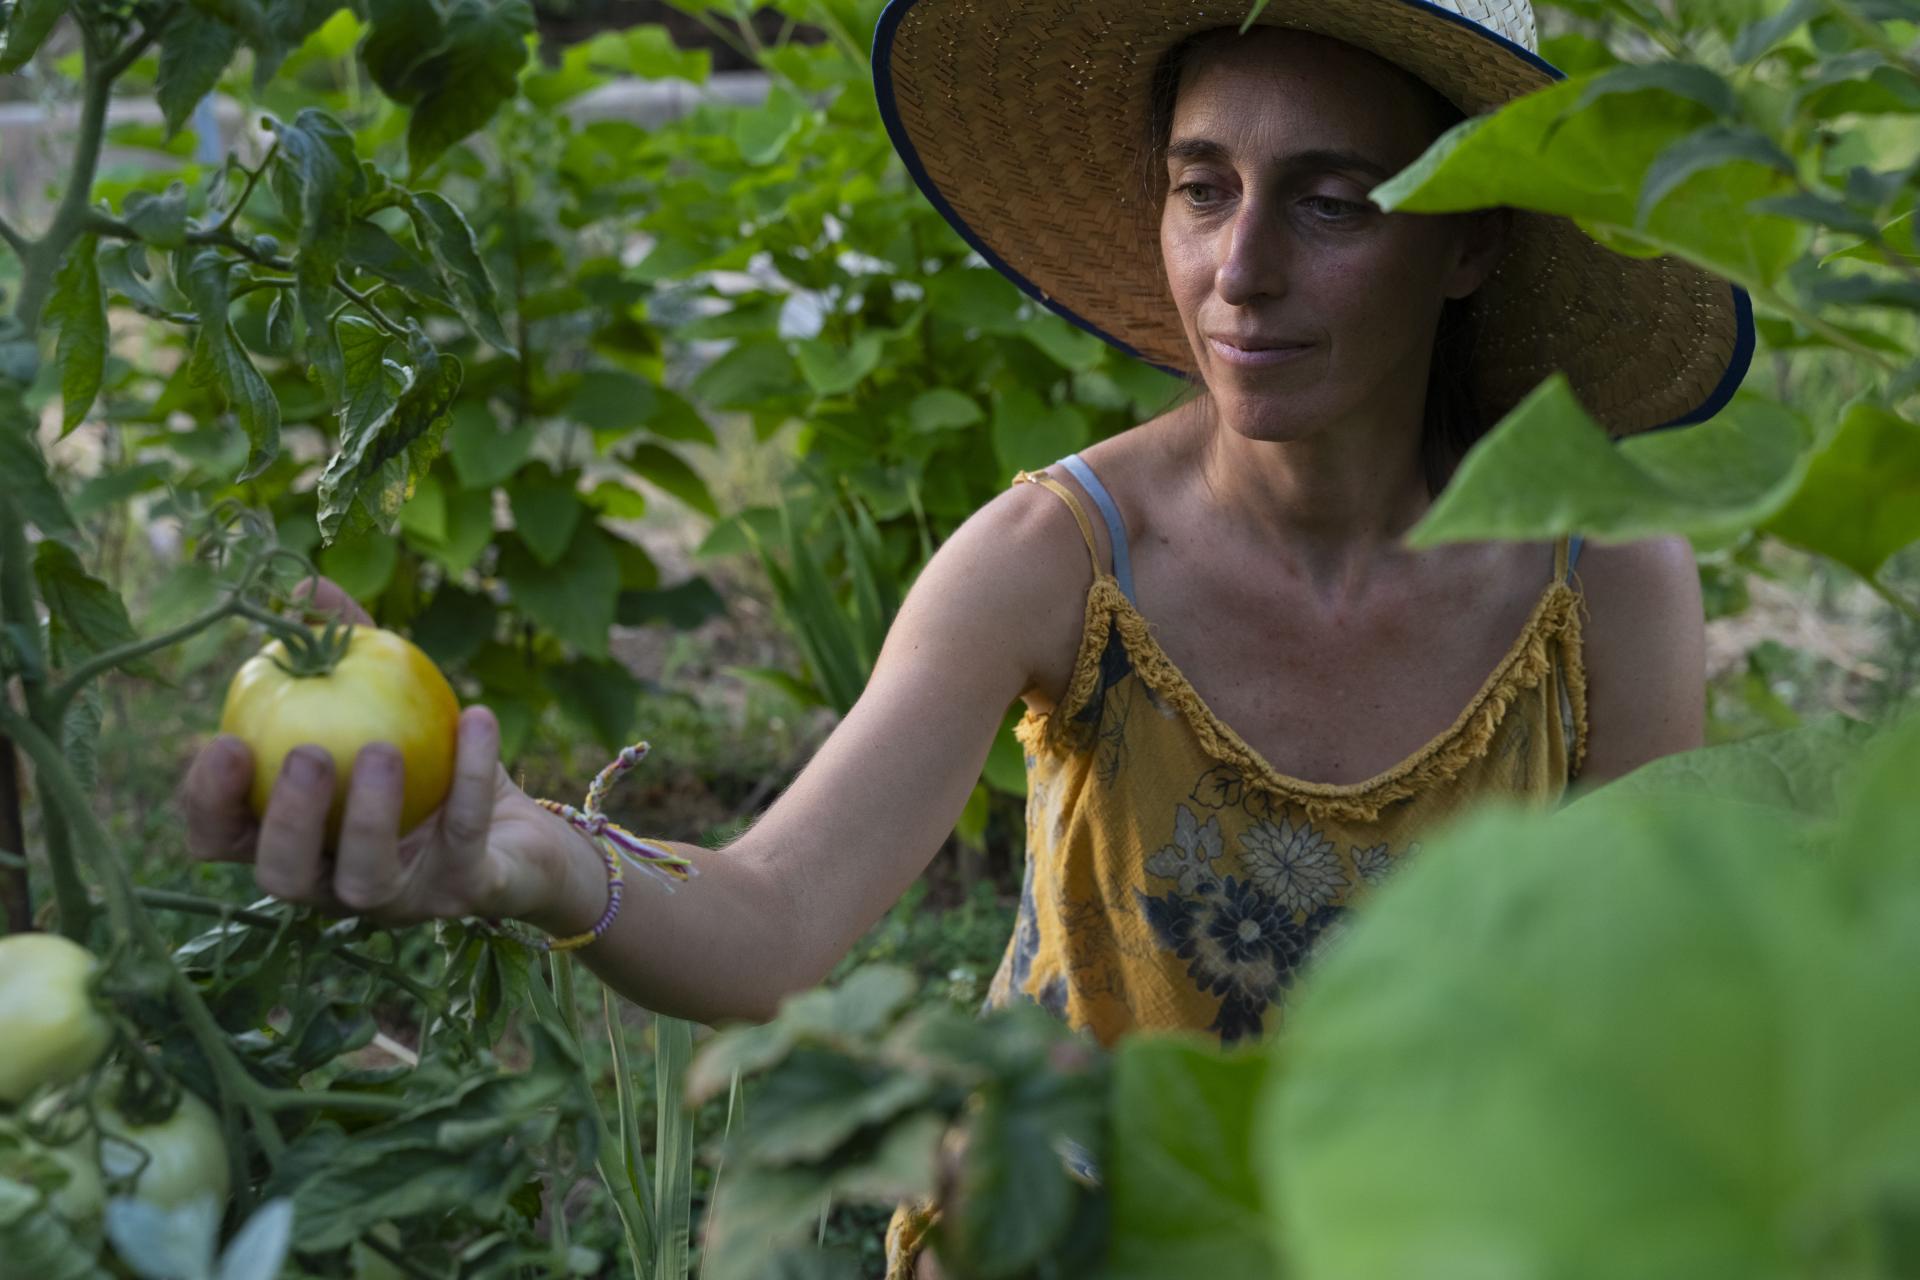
<point>1174,880</point>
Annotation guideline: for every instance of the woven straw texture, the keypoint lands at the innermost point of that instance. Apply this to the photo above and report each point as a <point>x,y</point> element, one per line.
<point>1030,119</point>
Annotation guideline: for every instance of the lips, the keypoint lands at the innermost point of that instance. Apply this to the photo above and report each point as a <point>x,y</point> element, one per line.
<point>1252,345</point>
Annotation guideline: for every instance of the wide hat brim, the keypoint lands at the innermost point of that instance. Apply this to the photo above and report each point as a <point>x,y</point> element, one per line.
<point>1024,124</point>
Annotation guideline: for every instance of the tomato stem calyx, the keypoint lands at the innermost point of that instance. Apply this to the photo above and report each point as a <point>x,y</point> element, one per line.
<point>310,654</point>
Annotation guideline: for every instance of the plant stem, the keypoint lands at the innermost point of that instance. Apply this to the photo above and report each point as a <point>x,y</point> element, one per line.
<point>1900,603</point>
<point>253,179</point>
<point>15,241</point>
<point>194,904</point>
<point>372,1104</point>
<point>106,660</point>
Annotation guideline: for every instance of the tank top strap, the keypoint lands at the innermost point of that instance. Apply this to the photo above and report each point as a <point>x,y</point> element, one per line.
<point>1073,504</point>
<point>1110,512</point>
<point>1566,554</point>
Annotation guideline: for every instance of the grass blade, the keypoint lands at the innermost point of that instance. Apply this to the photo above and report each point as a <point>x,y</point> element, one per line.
<point>673,1172</point>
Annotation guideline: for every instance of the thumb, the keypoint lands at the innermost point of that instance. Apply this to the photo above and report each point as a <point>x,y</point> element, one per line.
<point>327,597</point>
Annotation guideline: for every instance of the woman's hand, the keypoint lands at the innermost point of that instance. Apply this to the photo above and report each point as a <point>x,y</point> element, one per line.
<point>488,851</point>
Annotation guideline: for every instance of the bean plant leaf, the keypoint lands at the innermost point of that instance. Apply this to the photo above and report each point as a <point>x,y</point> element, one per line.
<point>1709,481</point>
<point>27,25</point>
<point>833,369</point>
<point>546,509</point>
<point>1180,1162</point>
<point>317,158</point>
<point>1859,501</point>
<point>1797,775</point>
<point>574,598</point>
<point>485,454</point>
<point>78,305</point>
<point>194,49</point>
<point>668,470</point>
<point>386,448</point>
<point>1591,164</point>
<point>444,233</point>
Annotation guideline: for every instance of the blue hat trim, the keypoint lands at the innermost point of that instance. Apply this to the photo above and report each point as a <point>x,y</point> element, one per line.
<point>896,12</point>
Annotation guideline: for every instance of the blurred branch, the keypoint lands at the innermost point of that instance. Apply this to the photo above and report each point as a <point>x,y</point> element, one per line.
<point>246,193</point>
<point>15,241</point>
<point>1901,604</point>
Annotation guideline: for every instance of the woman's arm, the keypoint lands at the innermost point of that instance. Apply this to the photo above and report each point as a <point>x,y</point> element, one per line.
<point>997,612</point>
<point>1645,655</point>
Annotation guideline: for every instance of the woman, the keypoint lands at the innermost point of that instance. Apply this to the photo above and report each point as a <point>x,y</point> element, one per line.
<point>1246,697</point>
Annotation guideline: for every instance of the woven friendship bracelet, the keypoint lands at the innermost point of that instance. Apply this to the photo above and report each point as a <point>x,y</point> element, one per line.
<point>615,844</point>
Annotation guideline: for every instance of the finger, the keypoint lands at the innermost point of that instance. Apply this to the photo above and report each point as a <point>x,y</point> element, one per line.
<point>220,826</point>
<point>366,874</point>
<point>326,597</point>
<point>288,860</point>
<point>467,815</point>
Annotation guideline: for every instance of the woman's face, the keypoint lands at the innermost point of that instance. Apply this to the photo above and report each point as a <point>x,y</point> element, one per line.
<point>1305,305</point>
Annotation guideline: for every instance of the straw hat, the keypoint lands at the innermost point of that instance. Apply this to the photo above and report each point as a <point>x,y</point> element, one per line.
<point>1024,123</point>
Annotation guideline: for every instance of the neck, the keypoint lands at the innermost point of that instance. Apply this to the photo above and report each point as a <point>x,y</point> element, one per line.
<point>1332,506</point>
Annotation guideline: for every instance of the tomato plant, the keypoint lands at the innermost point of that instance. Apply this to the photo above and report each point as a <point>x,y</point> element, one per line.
<point>171,1161</point>
<point>368,685</point>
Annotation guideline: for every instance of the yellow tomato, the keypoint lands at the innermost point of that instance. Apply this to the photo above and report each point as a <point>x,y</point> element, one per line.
<point>50,1030</point>
<point>382,689</point>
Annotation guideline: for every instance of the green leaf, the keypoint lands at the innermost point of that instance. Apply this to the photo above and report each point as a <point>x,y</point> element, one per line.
<point>220,361</point>
<point>469,530</point>
<point>817,1101</point>
<point>942,408</point>
<point>194,50</point>
<point>444,233</point>
<point>546,509</point>
<point>1798,775</point>
<point>1185,1196</point>
<point>39,1243</point>
<point>466,76</point>
<point>602,695</point>
<point>1029,434</point>
<point>575,598</point>
<point>1859,501</point>
<point>124,270</point>
<point>371,249</point>
<point>833,369</point>
<point>1590,165</point>
<point>1067,346</point>
<point>79,306</point>
<point>1702,150</point>
<point>1709,481</point>
<point>402,35</point>
<point>975,298</point>
<point>683,606</point>
<point>381,458</point>
<point>361,561</point>
<point>762,133</point>
<point>616,500</point>
<point>24,471</point>
<point>674,419</point>
<point>27,25</point>
<point>668,471</point>
<point>85,615</point>
<point>317,158</point>
<point>161,220</point>
<point>1656,1012</point>
<point>752,373</point>
<point>484,454</point>
<point>652,55</point>
<point>611,401</point>
<point>454,625</point>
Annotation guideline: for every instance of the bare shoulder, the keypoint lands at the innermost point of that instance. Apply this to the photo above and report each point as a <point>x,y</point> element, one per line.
<point>1645,651</point>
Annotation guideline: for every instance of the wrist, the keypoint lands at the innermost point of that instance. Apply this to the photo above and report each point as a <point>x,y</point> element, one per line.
<point>577,886</point>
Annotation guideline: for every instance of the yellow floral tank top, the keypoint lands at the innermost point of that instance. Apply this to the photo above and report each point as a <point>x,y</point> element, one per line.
<point>1174,878</point>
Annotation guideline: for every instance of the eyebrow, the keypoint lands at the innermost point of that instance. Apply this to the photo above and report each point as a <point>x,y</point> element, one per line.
<point>1314,160</point>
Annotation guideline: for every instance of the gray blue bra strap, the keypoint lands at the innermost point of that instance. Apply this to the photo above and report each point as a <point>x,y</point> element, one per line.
<point>1573,552</point>
<point>1116,532</point>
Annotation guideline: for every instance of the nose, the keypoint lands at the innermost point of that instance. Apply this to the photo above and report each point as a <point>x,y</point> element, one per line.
<point>1253,250</point>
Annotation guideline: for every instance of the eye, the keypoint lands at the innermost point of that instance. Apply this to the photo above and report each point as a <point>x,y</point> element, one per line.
<point>1197,194</point>
<point>1337,210</point>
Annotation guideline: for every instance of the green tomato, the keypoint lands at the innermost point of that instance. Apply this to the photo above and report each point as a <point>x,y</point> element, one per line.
<point>50,1031</point>
<point>185,1155</point>
<point>80,1197</point>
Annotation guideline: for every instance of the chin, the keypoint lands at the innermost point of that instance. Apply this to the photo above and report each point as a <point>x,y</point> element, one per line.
<point>1273,419</point>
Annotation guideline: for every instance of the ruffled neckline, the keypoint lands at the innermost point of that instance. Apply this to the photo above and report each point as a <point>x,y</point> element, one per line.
<point>1555,618</point>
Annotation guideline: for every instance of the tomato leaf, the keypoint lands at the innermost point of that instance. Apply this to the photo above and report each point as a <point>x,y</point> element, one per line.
<point>161,220</point>
<point>85,615</point>
<point>220,361</point>
<point>317,159</point>
<point>457,84</point>
<point>259,1249</point>
<point>79,306</point>
<point>382,456</point>
<point>371,249</point>
<point>195,48</point>
<point>27,25</point>
<point>443,232</point>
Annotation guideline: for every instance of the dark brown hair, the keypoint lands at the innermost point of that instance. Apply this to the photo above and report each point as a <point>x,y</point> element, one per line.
<point>1454,419</point>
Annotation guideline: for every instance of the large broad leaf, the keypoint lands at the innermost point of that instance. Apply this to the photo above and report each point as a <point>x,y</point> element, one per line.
<point>317,158</point>
<point>194,49</point>
<point>1590,162</point>
<point>445,235</point>
<point>1654,1037</point>
<point>574,598</point>
<point>1797,775</point>
<point>220,361</point>
<point>454,67</point>
<point>383,456</point>
<point>1029,434</point>
<point>78,305</point>
<point>660,466</point>
<point>1860,499</point>
<point>1180,1163</point>
<point>546,510</point>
